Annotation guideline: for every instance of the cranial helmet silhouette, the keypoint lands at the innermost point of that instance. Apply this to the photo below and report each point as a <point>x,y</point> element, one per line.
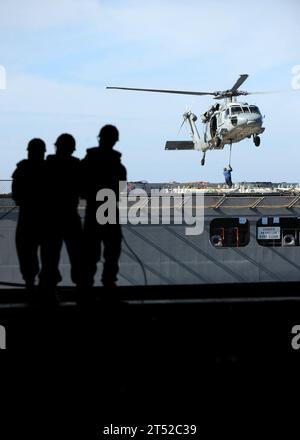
<point>109,135</point>
<point>36,148</point>
<point>36,145</point>
<point>65,144</point>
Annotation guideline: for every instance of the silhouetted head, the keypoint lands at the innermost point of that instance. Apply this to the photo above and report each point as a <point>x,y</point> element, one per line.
<point>225,169</point>
<point>108,136</point>
<point>36,149</point>
<point>65,144</point>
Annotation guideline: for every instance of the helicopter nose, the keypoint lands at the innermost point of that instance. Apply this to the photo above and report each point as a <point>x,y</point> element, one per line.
<point>257,119</point>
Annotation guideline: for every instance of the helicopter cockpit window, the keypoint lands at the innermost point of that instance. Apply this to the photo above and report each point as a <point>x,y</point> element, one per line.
<point>227,113</point>
<point>236,109</point>
<point>245,109</point>
<point>254,109</point>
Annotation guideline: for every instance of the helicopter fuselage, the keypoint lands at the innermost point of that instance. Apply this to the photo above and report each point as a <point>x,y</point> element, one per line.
<point>231,123</point>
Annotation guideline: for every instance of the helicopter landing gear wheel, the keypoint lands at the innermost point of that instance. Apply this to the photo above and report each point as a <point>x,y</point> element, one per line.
<point>256,140</point>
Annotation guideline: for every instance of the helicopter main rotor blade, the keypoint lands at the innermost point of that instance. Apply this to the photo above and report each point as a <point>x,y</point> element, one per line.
<point>270,92</point>
<point>239,82</point>
<point>180,92</point>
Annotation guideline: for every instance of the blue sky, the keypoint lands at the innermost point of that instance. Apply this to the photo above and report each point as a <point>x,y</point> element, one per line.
<point>59,56</point>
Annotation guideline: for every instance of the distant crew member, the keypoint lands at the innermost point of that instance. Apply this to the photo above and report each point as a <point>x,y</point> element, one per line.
<point>227,176</point>
<point>28,188</point>
<point>102,169</point>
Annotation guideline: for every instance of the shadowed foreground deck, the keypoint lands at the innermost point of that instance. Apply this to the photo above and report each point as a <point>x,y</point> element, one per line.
<point>149,350</point>
<point>236,323</point>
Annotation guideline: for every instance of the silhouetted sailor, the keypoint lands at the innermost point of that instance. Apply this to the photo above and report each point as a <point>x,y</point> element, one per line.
<point>227,176</point>
<point>63,221</point>
<point>28,192</point>
<point>102,168</point>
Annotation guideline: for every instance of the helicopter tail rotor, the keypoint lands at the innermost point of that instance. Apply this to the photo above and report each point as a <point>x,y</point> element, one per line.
<point>185,116</point>
<point>183,122</point>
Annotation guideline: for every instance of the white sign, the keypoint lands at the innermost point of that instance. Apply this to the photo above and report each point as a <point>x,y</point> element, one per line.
<point>268,233</point>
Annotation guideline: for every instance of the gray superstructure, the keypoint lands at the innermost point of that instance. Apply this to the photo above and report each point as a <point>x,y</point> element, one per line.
<point>251,233</point>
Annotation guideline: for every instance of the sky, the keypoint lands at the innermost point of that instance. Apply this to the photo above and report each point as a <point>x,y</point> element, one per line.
<point>58,56</point>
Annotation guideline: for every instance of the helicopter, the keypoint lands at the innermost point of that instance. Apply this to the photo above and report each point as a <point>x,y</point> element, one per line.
<point>224,124</point>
